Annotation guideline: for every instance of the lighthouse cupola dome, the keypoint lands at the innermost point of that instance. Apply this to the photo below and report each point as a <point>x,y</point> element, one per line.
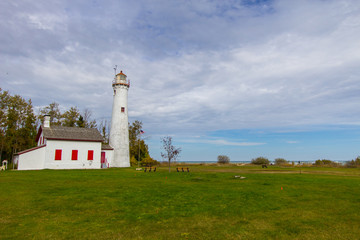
<point>121,75</point>
<point>120,79</point>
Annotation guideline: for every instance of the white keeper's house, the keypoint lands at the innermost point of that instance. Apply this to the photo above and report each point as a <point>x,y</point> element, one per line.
<point>64,148</point>
<point>81,148</point>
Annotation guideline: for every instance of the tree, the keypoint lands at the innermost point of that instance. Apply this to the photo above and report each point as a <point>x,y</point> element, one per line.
<point>134,131</point>
<point>149,162</point>
<point>353,163</point>
<point>171,152</point>
<point>138,148</point>
<point>21,128</point>
<point>281,161</point>
<point>54,112</point>
<point>70,117</point>
<point>4,101</point>
<point>80,122</point>
<point>103,128</point>
<point>88,121</point>
<point>17,124</point>
<point>223,159</point>
<point>323,162</point>
<point>260,161</point>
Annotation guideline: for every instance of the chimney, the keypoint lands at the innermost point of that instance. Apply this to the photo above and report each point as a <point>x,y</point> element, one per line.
<point>47,121</point>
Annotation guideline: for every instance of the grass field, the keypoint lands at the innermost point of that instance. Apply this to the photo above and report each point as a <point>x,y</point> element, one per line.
<point>207,203</point>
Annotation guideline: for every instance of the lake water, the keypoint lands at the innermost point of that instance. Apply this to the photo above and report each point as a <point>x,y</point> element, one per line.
<point>296,162</point>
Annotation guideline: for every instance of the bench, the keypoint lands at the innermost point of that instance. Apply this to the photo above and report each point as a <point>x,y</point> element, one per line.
<point>182,169</point>
<point>150,169</point>
<point>264,166</point>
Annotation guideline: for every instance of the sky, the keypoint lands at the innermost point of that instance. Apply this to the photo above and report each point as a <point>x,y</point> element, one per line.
<point>242,78</point>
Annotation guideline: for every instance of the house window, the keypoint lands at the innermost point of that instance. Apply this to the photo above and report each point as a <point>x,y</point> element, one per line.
<point>74,155</point>
<point>58,154</point>
<point>122,109</point>
<point>91,155</point>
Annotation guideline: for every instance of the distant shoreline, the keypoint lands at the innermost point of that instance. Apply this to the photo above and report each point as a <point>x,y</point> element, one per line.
<point>245,162</point>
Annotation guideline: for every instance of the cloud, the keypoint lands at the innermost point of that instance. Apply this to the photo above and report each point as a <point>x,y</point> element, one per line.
<point>197,66</point>
<point>222,142</point>
<point>227,143</point>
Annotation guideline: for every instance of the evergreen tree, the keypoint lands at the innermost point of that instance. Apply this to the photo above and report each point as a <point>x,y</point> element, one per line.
<point>70,117</point>
<point>80,122</point>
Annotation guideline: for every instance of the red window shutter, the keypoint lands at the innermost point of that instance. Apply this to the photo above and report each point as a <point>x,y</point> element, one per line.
<point>74,155</point>
<point>58,154</point>
<point>91,155</point>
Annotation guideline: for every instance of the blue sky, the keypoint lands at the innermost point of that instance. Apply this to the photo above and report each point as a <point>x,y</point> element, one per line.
<point>243,78</point>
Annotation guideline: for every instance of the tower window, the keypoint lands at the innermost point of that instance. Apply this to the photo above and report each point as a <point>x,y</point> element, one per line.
<point>122,109</point>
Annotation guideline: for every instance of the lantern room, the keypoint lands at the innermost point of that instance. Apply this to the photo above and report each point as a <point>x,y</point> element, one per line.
<point>120,79</point>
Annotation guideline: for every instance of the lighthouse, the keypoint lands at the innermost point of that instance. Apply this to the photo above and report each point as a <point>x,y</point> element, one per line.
<point>119,131</point>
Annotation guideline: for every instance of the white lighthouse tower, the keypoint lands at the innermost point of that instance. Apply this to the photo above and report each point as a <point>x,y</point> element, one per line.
<point>119,132</point>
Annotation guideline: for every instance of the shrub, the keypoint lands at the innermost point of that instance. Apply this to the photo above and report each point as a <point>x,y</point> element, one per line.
<point>353,163</point>
<point>326,163</point>
<point>281,161</point>
<point>133,161</point>
<point>260,161</point>
<point>323,162</point>
<point>149,162</point>
<point>223,159</point>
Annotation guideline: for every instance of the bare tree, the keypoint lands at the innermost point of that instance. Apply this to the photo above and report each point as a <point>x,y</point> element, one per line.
<point>171,152</point>
<point>89,122</point>
<point>104,129</point>
<point>223,159</point>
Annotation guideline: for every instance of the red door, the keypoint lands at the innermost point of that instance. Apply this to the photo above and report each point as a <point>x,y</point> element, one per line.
<point>103,160</point>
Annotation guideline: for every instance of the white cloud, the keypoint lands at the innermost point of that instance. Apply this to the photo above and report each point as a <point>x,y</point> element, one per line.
<point>223,142</point>
<point>197,66</point>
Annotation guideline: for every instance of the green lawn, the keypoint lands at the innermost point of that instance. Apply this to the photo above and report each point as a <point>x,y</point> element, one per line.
<point>207,203</point>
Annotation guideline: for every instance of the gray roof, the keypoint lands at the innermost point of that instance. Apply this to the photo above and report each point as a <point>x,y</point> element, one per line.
<point>71,133</point>
<point>106,147</point>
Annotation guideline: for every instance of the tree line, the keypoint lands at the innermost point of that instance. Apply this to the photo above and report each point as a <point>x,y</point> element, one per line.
<point>19,124</point>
